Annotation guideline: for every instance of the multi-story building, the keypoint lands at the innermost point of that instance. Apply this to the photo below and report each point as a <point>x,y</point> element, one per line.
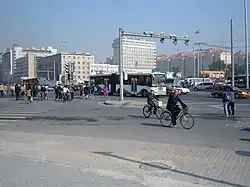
<point>17,51</point>
<point>136,54</point>
<point>6,66</point>
<point>80,65</point>
<point>109,60</point>
<point>187,63</point>
<point>25,66</point>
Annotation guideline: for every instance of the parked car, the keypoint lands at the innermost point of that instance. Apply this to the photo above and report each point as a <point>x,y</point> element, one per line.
<point>239,94</point>
<point>183,90</point>
<point>203,86</point>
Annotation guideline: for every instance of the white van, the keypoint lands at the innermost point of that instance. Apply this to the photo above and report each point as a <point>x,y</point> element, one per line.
<point>202,86</point>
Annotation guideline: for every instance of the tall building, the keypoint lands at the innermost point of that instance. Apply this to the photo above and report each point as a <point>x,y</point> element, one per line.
<point>80,64</point>
<point>136,54</point>
<point>16,52</point>
<point>25,66</point>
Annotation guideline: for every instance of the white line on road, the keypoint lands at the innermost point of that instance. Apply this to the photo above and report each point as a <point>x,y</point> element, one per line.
<point>15,114</point>
<point>11,117</point>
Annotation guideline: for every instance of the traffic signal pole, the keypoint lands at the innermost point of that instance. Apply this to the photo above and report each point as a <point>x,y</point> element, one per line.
<point>160,36</point>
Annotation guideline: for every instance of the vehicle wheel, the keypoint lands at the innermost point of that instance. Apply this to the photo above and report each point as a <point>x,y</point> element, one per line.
<point>144,93</point>
<point>159,112</point>
<point>237,96</point>
<point>166,119</point>
<point>146,111</point>
<point>99,91</point>
<point>195,89</point>
<point>187,121</point>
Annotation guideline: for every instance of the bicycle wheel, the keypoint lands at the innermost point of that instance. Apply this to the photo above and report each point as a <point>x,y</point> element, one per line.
<point>159,112</point>
<point>166,119</point>
<point>187,121</point>
<point>146,111</point>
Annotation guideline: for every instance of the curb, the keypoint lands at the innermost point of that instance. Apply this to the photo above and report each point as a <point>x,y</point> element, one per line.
<point>115,104</point>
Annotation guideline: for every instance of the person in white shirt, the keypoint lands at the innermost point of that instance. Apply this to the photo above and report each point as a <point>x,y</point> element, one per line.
<point>65,92</point>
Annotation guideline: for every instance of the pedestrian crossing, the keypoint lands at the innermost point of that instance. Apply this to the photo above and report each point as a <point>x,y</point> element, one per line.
<point>21,111</point>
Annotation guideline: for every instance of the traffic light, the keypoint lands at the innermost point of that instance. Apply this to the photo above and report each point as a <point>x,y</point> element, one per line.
<point>186,40</point>
<point>66,67</point>
<point>162,35</point>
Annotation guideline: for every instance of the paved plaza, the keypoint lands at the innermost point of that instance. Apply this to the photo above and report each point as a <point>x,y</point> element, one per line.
<point>87,143</point>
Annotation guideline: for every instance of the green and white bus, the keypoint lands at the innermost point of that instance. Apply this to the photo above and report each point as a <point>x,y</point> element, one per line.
<point>139,84</point>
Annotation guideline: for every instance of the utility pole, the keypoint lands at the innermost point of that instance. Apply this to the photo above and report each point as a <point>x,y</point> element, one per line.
<point>54,70</point>
<point>160,36</point>
<point>232,52</point>
<point>194,61</point>
<point>121,63</point>
<point>246,44</point>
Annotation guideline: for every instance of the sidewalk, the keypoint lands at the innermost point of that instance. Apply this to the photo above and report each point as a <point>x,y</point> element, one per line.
<point>152,164</point>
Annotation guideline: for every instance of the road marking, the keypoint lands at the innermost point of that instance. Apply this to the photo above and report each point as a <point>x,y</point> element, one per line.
<point>216,106</point>
<point>12,117</point>
<point>7,120</point>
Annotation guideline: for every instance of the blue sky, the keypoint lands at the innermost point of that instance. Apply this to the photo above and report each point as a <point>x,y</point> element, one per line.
<point>90,26</point>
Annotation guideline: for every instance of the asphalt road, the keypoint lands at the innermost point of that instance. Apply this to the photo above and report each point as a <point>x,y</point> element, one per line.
<point>90,118</point>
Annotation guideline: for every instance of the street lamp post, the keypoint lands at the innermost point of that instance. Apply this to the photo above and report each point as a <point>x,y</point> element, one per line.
<point>246,43</point>
<point>145,34</point>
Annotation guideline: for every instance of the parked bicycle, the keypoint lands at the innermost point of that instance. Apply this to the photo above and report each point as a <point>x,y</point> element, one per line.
<point>147,110</point>
<point>186,119</point>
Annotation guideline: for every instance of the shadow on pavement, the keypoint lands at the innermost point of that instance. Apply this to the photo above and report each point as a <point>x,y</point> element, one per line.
<point>211,116</point>
<point>61,118</point>
<point>151,124</point>
<point>245,129</point>
<point>136,116</point>
<point>243,153</point>
<point>244,139</point>
<point>169,169</point>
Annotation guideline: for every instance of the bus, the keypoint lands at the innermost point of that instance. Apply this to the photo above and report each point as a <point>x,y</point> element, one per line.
<point>135,84</point>
<point>239,81</point>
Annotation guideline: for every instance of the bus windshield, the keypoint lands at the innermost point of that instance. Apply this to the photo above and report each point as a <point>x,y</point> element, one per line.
<point>158,79</point>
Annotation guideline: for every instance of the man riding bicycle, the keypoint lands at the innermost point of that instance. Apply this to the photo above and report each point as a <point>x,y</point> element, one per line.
<point>172,106</point>
<point>150,100</point>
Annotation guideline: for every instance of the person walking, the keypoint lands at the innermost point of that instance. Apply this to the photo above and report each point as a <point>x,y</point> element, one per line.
<point>226,97</point>
<point>28,94</point>
<point>231,105</point>
<point>105,91</point>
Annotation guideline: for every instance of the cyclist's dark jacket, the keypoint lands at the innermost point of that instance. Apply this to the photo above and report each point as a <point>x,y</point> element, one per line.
<point>172,102</point>
<point>151,97</point>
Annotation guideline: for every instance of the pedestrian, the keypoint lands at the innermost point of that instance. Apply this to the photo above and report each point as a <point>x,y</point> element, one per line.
<point>231,105</point>
<point>28,93</point>
<point>105,91</point>
<point>86,91</point>
<point>226,97</point>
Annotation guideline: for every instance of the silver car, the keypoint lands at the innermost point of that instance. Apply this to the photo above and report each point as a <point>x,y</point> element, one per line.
<point>203,86</point>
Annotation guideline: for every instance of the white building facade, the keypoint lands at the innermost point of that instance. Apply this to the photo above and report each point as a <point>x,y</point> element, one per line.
<point>137,54</point>
<point>16,52</point>
<point>25,67</point>
<point>80,65</point>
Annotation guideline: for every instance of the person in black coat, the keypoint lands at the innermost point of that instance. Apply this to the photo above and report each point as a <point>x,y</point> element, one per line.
<point>172,106</point>
<point>150,100</point>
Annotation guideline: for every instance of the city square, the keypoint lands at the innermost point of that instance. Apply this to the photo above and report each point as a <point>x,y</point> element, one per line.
<point>124,94</point>
<point>114,144</point>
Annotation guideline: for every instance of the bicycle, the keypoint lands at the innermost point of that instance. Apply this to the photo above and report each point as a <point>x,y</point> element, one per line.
<point>147,111</point>
<point>183,115</point>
